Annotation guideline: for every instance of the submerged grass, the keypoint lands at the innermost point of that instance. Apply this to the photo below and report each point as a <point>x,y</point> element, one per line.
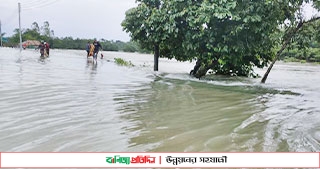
<point>122,62</point>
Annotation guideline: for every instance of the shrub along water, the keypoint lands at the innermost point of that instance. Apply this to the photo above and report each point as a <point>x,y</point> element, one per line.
<point>123,62</point>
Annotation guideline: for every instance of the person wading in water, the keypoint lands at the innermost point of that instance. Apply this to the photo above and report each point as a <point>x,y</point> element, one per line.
<point>42,47</point>
<point>88,48</point>
<point>47,49</point>
<point>97,47</point>
<point>91,50</point>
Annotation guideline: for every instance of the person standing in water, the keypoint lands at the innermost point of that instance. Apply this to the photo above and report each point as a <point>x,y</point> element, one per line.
<point>97,47</point>
<point>88,48</point>
<point>47,48</point>
<point>41,47</point>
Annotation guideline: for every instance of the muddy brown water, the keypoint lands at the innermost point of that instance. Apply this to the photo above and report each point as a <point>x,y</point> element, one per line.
<point>65,104</point>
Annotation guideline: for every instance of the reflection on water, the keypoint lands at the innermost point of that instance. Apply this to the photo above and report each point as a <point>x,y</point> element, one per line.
<point>91,67</point>
<point>67,103</point>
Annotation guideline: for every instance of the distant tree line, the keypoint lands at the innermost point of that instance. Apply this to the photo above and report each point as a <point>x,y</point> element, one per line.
<point>305,46</point>
<point>295,54</point>
<point>44,33</point>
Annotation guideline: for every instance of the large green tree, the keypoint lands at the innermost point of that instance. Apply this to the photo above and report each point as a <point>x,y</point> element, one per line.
<point>144,24</point>
<point>227,36</point>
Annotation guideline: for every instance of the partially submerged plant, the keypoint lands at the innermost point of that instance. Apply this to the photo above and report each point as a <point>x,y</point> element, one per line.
<point>122,62</point>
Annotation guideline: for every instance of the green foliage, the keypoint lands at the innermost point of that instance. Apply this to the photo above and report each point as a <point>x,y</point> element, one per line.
<point>291,59</point>
<point>46,34</point>
<point>70,43</point>
<point>33,34</point>
<point>297,55</point>
<point>237,34</point>
<point>305,46</point>
<point>122,62</point>
<point>110,46</point>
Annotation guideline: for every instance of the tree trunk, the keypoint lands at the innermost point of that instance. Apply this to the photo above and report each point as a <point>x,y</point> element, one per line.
<point>285,44</point>
<point>196,67</point>
<point>201,70</point>
<point>156,57</point>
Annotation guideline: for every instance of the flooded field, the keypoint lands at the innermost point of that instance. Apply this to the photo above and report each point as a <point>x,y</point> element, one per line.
<point>66,104</point>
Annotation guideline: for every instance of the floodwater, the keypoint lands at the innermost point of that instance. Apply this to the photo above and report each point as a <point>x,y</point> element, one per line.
<point>65,104</point>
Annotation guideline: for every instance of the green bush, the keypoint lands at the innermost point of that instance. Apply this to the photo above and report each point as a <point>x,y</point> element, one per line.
<point>122,62</point>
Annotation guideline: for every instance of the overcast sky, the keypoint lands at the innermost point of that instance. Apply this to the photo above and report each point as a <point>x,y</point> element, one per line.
<point>76,18</point>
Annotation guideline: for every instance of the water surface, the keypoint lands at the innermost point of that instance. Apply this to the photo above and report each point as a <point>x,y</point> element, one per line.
<point>65,104</point>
